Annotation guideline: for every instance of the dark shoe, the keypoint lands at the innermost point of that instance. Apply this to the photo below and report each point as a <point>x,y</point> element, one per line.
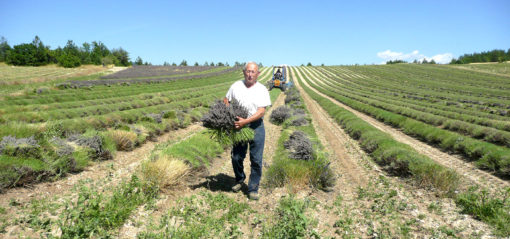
<point>253,196</point>
<point>237,187</point>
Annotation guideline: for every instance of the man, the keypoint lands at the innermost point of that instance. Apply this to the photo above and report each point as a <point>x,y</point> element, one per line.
<point>278,75</point>
<point>255,97</point>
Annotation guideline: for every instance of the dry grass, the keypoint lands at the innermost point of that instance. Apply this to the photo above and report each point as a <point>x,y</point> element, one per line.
<point>124,140</point>
<point>18,75</point>
<point>297,176</point>
<point>165,172</point>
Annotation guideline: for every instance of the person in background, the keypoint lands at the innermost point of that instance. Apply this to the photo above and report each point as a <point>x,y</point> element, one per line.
<point>278,75</point>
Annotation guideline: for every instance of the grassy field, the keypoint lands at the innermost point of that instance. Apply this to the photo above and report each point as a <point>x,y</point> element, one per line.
<point>495,68</point>
<point>17,75</point>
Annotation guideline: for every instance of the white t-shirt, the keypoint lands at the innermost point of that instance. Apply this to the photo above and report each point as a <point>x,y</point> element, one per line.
<point>252,98</point>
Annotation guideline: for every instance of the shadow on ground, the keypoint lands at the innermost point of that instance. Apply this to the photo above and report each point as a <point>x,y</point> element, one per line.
<point>219,182</point>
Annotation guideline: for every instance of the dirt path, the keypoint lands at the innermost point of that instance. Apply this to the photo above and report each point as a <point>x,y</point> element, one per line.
<point>346,161</point>
<point>358,171</point>
<point>465,169</point>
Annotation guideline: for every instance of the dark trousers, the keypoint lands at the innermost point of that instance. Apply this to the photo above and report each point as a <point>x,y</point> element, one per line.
<point>256,152</point>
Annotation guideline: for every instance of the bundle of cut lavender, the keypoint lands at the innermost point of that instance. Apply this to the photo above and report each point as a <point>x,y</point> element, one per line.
<point>220,121</point>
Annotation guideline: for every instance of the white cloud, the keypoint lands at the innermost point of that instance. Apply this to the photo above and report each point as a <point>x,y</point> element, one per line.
<point>442,58</point>
<point>389,55</point>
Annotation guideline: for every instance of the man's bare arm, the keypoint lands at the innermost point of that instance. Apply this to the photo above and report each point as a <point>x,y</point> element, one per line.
<point>243,122</point>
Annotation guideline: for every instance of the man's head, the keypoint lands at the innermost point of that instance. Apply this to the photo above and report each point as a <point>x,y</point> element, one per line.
<point>251,73</point>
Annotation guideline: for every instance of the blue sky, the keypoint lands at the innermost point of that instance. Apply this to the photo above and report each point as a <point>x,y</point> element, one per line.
<point>271,32</point>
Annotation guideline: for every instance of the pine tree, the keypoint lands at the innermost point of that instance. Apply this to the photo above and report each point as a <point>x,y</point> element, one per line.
<point>139,61</point>
<point>4,48</point>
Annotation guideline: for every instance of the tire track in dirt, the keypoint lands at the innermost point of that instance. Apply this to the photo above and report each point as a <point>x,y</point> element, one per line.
<point>455,162</point>
<point>357,169</point>
<point>350,175</point>
<point>335,138</point>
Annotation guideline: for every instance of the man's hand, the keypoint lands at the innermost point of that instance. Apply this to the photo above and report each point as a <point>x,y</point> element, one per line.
<point>240,123</point>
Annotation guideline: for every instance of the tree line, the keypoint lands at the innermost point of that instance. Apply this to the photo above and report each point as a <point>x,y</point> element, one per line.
<point>485,56</point>
<point>423,61</point>
<point>185,63</point>
<point>38,54</point>
<point>139,61</point>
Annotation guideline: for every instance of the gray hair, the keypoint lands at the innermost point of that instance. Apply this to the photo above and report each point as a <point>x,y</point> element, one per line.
<point>250,62</point>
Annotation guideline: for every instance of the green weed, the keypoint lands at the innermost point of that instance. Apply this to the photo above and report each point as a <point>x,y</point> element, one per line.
<point>291,220</point>
<point>205,215</point>
<point>493,210</point>
<point>95,213</point>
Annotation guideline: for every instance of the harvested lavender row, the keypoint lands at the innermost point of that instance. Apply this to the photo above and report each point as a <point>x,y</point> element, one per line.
<point>292,110</point>
<point>88,83</point>
<point>280,114</point>
<point>20,146</point>
<point>299,146</point>
<point>95,143</point>
<point>148,71</point>
<point>221,119</point>
<point>292,96</point>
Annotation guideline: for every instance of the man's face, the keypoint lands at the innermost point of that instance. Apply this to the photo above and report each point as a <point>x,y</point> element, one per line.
<point>251,74</point>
